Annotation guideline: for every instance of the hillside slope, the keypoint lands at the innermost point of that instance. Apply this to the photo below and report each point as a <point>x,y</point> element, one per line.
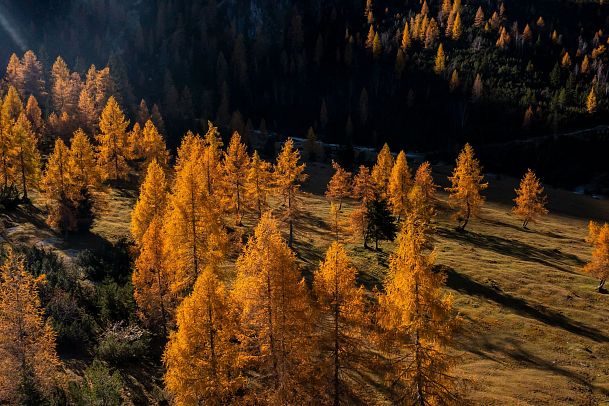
<point>534,330</point>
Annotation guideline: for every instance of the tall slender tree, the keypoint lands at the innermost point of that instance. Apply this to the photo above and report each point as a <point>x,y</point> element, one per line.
<point>530,200</point>
<point>381,171</point>
<point>113,145</point>
<point>258,185</point>
<point>151,203</point>
<point>339,186</point>
<point>235,167</point>
<point>400,183</point>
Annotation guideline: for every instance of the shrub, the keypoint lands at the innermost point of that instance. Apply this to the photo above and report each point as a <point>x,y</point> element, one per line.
<point>121,344</point>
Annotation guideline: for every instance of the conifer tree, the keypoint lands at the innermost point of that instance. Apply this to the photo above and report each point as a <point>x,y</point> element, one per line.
<point>380,224</point>
<point>405,37</point>
<point>275,315</point>
<point>479,18</point>
<point>585,65</point>
<point>288,176</point>
<point>370,38</point>
<point>30,366</point>
<point>454,81</point>
<point>440,63</point>
<point>477,88</point>
<point>258,183</point>
<point>377,46</point>
<point>381,171</point>
<point>151,203</point>
<point>339,186</point>
<point>414,310</point>
<point>364,192</point>
<point>235,168</point>
<point>467,183</point>
<point>135,140</point>
<point>58,189</point>
<point>82,164</point>
<point>457,29</point>
<point>599,264</point>
<point>400,183</point>
<point>60,90</point>
<point>153,146</point>
<point>591,101</point>
<point>113,146</point>
<point>151,278</point>
<point>212,156</point>
<point>25,155</point>
<point>192,145</point>
<point>530,200</point>
<point>34,114</point>
<point>201,357</point>
<point>339,298</point>
<point>194,228</point>
<point>424,180</point>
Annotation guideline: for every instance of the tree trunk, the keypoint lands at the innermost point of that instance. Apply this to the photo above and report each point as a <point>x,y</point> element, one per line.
<point>23,180</point>
<point>524,224</point>
<point>601,285</point>
<point>336,336</point>
<point>468,213</point>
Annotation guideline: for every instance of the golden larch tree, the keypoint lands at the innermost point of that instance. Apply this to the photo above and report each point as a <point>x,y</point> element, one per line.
<point>339,186</point>
<point>82,163</point>
<point>275,316</point>
<point>212,156</point>
<point>400,183</point>
<point>258,183</point>
<point>201,357</point>
<point>191,145</point>
<point>151,202</point>
<point>151,279</point>
<point>381,171</point>
<point>135,141</point>
<point>457,28</point>
<point>235,168</point>
<point>153,146</point>
<point>591,101</point>
<point>342,315</point>
<point>194,228</point>
<point>113,146</point>
<point>288,175</point>
<point>423,178</point>
<point>599,264</point>
<point>467,182</point>
<point>25,154</point>
<point>59,191</point>
<point>440,63</point>
<point>530,199</point>
<point>364,192</point>
<point>29,365</point>
<point>418,322</point>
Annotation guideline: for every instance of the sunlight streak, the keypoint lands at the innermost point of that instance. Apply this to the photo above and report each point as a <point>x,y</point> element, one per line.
<point>11,30</point>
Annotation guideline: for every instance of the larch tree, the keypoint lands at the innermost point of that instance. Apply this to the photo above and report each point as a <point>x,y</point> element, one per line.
<point>212,156</point>
<point>416,314</point>
<point>192,144</point>
<point>194,228</point>
<point>275,315</point>
<point>591,101</point>
<point>28,359</point>
<point>530,200</point>
<point>423,178</point>
<point>235,168</point>
<point>381,171</point>
<point>201,357</point>
<point>258,183</point>
<point>25,154</point>
<point>339,186</point>
<point>151,203</point>
<point>113,145</point>
<point>58,189</point>
<point>288,175</point>
<point>364,192</point>
<point>153,146</point>
<point>342,315</point>
<point>83,170</point>
<point>151,279</point>
<point>135,141</point>
<point>400,183</point>
<point>440,63</point>
<point>467,182</point>
<point>599,264</point>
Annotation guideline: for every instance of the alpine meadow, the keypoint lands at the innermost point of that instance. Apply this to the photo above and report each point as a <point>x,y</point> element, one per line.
<point>315,202</point>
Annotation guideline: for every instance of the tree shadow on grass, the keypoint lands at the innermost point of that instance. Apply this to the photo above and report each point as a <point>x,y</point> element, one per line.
<point>464,284</point>
<point>515,249</point>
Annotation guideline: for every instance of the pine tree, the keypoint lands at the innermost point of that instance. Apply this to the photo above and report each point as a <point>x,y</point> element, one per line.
<point>380,224</point>
<point>153,146</point>
<point>201,357</point>
<point>591,101</point>
<point>440,64</point>
<point>30,366</point>
<point>339,186</point>
<point>194,229</point>
<point>275,315</point>
<point>467,183</point>
<point>288,176</point>
<point>235,168</point>
<point>342,306</point>
<point>151,278</point>
<point>113,146</point>
<point>151,203</point>
<point>381,171</point>
<point>599,264</point>
<point>414,310</point>
<point>258,183</point>
<point>400,183</point>
<point>530,200</point>
<point>25,154</point>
